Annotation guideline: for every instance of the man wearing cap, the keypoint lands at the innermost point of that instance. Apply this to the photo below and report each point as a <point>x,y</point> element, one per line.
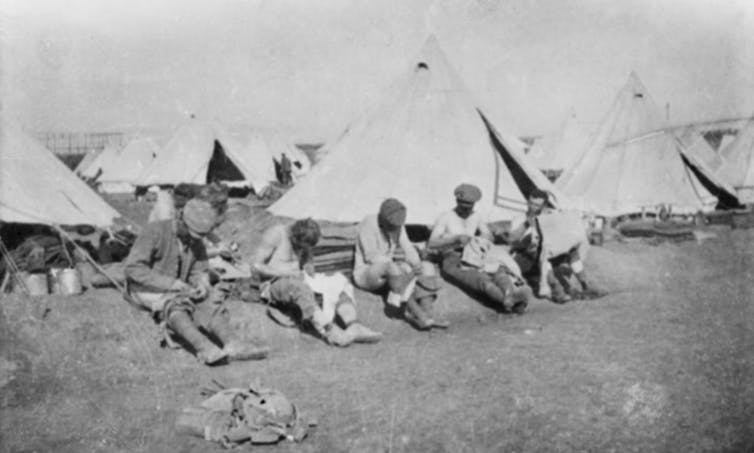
<point>167,272</point>
<point>375,269</point>
<point>551,270</point>
<point>285,263</point>
<point>461,232</point>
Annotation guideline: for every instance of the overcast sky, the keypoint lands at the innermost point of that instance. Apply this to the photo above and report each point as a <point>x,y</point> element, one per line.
<point>309,67</point>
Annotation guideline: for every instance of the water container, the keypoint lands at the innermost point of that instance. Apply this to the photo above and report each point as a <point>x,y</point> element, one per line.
<point>36,283</point>
<point>69,282</point>
<point>53,279</point>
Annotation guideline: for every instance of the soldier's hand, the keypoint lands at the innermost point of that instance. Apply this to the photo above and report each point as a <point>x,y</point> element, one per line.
<point>180,286</point>
<point>309,269</point>
<point>199,292</point>
<point>463,239</point>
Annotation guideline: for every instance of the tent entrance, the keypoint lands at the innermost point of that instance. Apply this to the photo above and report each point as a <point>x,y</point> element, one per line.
<point>221,168</point>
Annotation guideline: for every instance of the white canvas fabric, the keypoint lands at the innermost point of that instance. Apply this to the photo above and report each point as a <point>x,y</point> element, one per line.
<point>89,157</point>
<point>633,163</point>
<point>105,161</point>
<point>36,187</point>
<point>738,168</point>
<point>186,157</point>
<point>122,168</point>
<point>560,150</point>
<point>423,139</point>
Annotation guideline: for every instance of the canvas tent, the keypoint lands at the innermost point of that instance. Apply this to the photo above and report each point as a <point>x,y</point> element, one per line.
<point>262,142</point>
<point>201,152</point>
<point>559,151</point>
<point>89,157</point>
<point>423,139</point>
<point>121,169</point>
<point>634,163</point>
<point>36,187</point>
<point>738,168</point>
<point>697,146</point>
<point>105,161</point>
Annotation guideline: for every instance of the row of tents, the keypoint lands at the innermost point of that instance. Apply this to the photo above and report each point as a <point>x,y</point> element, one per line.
<point>426,135</point>
<point>617,161</point>
<point>199,152</point>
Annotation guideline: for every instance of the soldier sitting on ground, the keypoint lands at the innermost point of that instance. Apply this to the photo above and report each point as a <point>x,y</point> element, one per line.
<point>547,268</point>
<point>411,284</point>
<point>284,261</point>
<point>461,232</point>
<point>167,273</point>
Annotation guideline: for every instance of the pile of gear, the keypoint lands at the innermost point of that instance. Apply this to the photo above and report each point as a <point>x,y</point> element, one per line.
<point>233,416</point>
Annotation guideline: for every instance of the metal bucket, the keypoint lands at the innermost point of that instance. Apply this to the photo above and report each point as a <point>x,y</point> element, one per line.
<point>53,275</point>
<point>36,283</point>
<point>69,282</point>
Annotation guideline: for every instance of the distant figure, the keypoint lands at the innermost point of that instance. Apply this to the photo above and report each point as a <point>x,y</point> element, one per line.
<point>286,171</point>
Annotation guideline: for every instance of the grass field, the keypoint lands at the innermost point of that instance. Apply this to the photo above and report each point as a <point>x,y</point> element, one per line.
<point>662,364</point>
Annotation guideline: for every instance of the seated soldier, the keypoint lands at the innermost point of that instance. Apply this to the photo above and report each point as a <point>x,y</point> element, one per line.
<point>375,269</point>
<point>284,261</point>
<point>456,230</point>
<point>169,204</point>
<point>167,272</point>
<point>550,272</point>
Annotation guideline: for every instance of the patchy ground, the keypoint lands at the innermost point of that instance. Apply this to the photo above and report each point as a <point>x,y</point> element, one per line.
<point>664,363</point>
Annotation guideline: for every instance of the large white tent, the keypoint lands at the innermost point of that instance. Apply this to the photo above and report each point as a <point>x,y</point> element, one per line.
<point>36,187</point>
<point>738,168</point>
<point>423,139</point>
<point>119,170</point>
<point>202,151</point>
<point>634,163</point>
<point>558,151</point>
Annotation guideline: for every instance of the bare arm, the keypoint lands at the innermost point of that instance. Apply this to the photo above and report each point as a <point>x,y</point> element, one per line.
<point>267,269</point>
<point>439,238</point>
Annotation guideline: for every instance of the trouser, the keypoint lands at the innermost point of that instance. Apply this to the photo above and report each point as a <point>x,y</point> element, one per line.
<point>292,293</point>
<point>562,268</point>
<point>209,315</point>
<point>476,280</point>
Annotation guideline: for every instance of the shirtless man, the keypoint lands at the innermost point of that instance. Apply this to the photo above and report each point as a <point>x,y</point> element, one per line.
<point>283,260</point>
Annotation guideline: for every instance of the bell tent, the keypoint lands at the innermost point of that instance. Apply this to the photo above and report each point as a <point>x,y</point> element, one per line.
<point>36,187</point>
<point>635,163</point>
<point>201,152</point>
<point>738,168</point>
<point>559,151</point>
<point>422,140</point>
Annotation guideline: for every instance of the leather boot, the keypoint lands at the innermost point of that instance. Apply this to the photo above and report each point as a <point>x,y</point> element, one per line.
<point>206,351</point>
<point>504,281</point>
<point>522,295</point>
<point>559,294</point>
<point>591,290</point>
<point>416,316</point>
<point>494,293</point>
<point>233,347</point>
<point>427,304</point>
